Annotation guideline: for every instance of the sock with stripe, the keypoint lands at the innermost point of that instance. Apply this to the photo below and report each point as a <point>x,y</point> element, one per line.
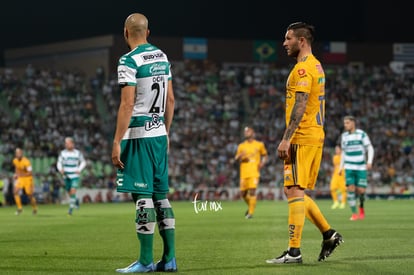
<point>352,202</point>
<point>145,226</point>
<point>166,225</point>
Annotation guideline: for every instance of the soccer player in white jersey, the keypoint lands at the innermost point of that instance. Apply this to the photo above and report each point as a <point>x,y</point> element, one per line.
<point>357,157</point>
<point>70,164</point>
<point>140,146</point>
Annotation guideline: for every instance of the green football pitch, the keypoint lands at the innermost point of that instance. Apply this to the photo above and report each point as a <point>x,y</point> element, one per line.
<point>99,238</point>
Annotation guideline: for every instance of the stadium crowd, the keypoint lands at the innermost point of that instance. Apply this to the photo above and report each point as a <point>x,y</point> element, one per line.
<point>213,104</point>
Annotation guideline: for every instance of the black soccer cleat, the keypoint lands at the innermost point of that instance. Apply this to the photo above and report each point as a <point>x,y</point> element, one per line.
<point>329,245</point>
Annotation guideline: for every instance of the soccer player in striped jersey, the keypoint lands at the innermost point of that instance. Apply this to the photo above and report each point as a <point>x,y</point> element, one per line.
<point>70,164</point>
<point>140,145</point>
<point>301,146</point>
<point>252,155</point>
<point>357,158</point>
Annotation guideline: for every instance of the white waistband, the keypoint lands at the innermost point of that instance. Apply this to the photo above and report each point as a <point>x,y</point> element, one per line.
<point>140,132</point>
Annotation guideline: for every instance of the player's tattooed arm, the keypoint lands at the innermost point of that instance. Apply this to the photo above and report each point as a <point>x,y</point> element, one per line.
<point>301,99</point>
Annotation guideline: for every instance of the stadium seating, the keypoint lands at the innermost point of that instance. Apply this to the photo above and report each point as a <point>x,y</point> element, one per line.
<point>213,103</point>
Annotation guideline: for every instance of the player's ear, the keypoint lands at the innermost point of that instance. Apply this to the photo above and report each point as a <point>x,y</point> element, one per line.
<point>126,33</point>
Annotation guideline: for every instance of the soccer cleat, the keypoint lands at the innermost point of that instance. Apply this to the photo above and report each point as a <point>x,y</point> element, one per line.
<point>70,211</point>
<point>361,213</point>
<point>342,206</point>
<point>354,217</point>
<point>248,217</point>
<point>285,258</point>
<point>170,266</point>
<point>34,212</point>
<point>329,245</point>
<point>18,212</point>
<point>137,267</point>
<point>335,205</point>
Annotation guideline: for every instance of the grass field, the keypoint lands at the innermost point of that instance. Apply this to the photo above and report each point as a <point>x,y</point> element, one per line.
<point>99,238</point>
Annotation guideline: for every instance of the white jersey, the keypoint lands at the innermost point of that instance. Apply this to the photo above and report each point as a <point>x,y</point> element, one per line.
<point>354,149</point>
<point>71,162</point>
<point>147,68</point>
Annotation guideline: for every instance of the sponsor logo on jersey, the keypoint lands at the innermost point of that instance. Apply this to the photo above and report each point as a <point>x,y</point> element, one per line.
<point>154,123</point>
<point>153,56</point>
<point>121,75</point>
<point>319,68</point>
<point>301,72</point>
<point>157,69</point>
<point>302,83</point>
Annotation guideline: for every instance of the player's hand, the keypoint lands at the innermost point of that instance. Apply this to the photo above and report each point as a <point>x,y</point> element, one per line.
<point>261,164</point>
<point>238,157</point>
<point>243,156</point>
<point>116,156</point>
<point>283,149</point>
<point>369,166</point>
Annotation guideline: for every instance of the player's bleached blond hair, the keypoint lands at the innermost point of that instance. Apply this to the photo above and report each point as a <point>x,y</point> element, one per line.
<point>349,117</point>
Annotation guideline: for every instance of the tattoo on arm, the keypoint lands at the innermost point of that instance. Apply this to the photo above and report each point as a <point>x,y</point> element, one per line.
<point>298,110</point>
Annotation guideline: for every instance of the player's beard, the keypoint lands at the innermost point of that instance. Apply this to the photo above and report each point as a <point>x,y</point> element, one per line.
<point>294,51</point>
<point>248,137</point>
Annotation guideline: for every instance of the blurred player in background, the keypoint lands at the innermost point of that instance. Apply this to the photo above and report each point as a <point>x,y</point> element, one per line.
<point>140,146</point>
<point>357,158</point>
<point>70,164</point>
<point>301,146</point>
<point>23,181</point>
<point>252,155</point>
<point>337,184</point>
